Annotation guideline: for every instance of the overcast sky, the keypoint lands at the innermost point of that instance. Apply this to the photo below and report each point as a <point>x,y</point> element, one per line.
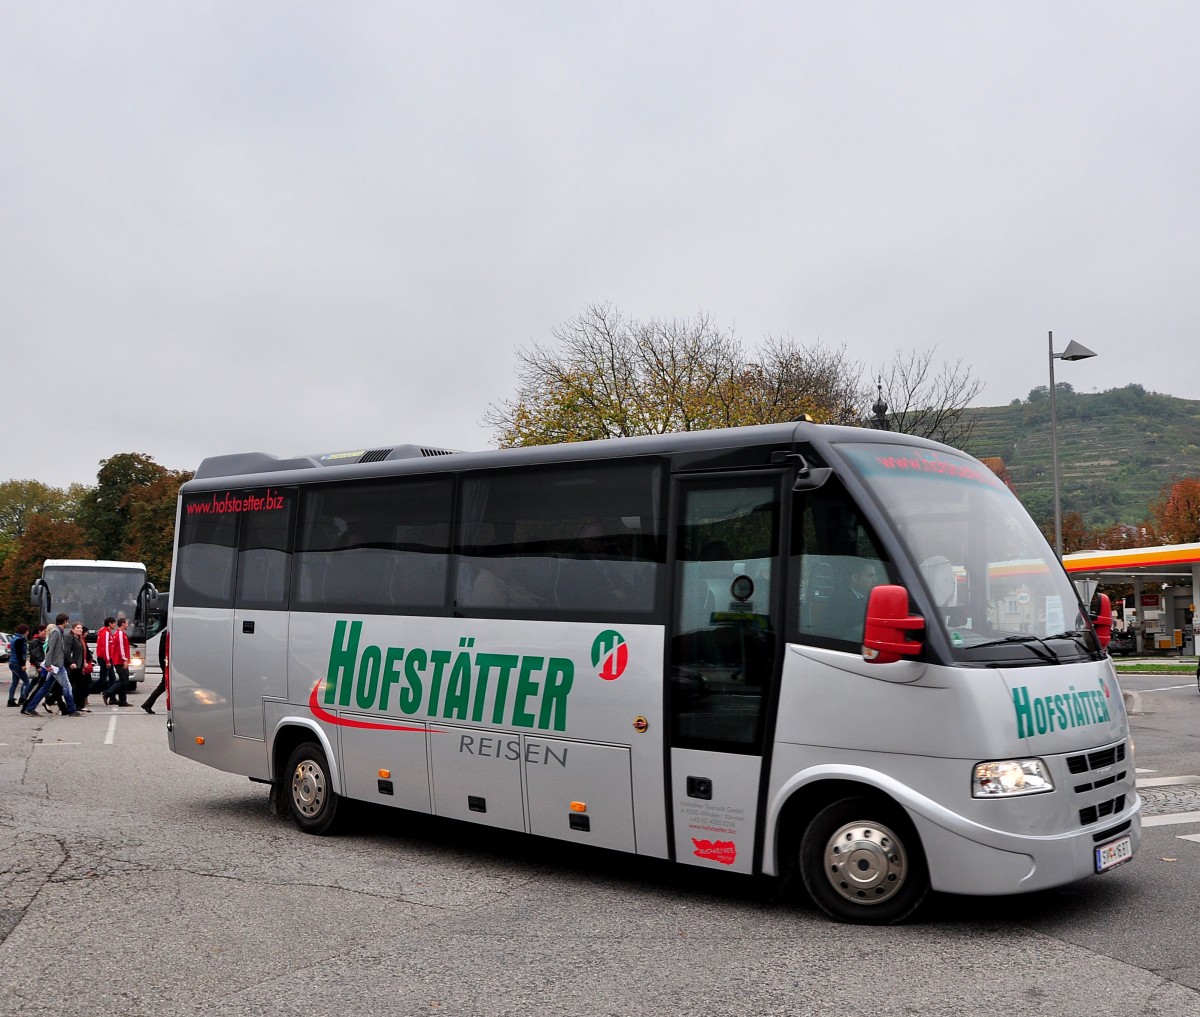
<point>302,227</point>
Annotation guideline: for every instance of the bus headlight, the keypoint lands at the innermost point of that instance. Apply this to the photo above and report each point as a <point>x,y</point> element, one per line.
<point>1006,778</point>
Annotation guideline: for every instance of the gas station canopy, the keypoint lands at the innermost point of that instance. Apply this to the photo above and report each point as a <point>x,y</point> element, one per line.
<point>1165,563</point>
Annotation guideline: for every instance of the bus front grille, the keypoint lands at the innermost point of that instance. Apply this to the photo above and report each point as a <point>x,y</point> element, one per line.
<point>1102,810</point>
<point>1096,760</point>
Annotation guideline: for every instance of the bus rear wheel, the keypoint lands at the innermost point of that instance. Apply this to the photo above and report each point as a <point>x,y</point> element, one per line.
<point>311,800</point>
<point>861,862</point>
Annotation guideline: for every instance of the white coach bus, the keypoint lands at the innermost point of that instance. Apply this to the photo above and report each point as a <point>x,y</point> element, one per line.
<point>842,655</point>
<point>91,590</point>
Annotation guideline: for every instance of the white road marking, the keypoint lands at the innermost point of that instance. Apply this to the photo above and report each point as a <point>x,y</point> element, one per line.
<point>1189,836</point>
<point>112,730</point>
<point>1169,688</point>
<point>1172,820</point>
<point>54,744</point>
<point>1165,781</point>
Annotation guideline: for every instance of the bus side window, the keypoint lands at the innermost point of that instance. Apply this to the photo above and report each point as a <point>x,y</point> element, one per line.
<point>837,561</point>
<point>564,541</point>
<point>208,547</point>
<point>264,564</point>
<point>379,546</point>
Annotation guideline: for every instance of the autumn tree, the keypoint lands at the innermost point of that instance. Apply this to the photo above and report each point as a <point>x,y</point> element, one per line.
<point>1175,516</point>
<point>608,376</point>
<point>44,537</point>
<point>106,511</point>
<point>789,379</point>
<point>151,530</point>
<point>23,500</point>
<point>1075,534</point>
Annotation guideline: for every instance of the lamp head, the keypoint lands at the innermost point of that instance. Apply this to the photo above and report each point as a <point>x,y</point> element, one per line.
<point>1075,351</point>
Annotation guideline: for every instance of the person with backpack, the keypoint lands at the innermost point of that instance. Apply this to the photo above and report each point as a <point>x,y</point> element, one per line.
<point>37,657</point>
<point>18,657</point>
<point>55,667</point>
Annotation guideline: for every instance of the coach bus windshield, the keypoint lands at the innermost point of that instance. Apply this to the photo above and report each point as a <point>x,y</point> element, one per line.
<point>92,593</point>
<point>998,589</point>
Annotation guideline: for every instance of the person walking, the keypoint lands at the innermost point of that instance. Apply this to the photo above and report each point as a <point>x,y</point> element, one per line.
<point>118,658</point>
<point>164,661</point>
<point>18,657</point>
<point>103,640</point>
<point>56,669</point>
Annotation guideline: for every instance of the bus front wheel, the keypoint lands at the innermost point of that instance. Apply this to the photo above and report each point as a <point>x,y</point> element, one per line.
<point>861,862</point>
<point>311,800</point>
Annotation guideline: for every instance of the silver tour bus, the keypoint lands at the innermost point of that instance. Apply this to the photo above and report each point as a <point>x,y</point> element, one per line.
<point>845,658</point>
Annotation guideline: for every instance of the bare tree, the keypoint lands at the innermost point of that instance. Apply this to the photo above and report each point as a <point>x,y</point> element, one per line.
<point>927,399</point>
<point>793,378</point>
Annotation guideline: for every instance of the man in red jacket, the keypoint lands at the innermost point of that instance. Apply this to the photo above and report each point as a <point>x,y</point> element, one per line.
<point>118,656</point>
<point>103,641</point>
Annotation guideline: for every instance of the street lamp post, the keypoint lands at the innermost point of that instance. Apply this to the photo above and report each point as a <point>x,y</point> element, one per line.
<point>1074,351</point>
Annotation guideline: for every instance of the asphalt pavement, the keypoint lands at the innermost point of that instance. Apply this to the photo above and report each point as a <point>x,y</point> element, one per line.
<point>135,882</point>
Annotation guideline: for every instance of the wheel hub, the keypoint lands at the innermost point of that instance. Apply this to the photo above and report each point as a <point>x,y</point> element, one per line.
<point>308,788</point>
<point>865,863</point>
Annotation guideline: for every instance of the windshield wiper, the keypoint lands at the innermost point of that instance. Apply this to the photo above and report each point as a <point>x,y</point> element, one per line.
<point>1075,635</point>
<point>1043,651</point>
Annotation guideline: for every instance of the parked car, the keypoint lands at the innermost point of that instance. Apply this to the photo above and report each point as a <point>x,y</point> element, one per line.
<point>5,640</point>
<point>1122,643</point>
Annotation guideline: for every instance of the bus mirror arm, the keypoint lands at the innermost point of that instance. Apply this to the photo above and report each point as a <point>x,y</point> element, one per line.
<point>885,638</point>
<point>808,478</point>
<point>1102,621</point>
<point>812,478</point>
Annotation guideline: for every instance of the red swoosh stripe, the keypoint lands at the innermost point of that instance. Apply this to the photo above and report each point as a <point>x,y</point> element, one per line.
<point>322,714</point>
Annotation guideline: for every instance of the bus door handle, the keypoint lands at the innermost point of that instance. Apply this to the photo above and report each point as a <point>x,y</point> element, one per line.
<point>248,627</point>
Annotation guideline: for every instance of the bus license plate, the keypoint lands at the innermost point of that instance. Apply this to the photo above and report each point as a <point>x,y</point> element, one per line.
<point>1113,853</point>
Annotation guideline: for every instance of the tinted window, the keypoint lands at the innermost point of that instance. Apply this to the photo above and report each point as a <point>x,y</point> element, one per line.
<point>723,644</point>
<point>574,540</point>
<point>380,546</point>
<point>264,564</point>
<point>208,542</point>
<point>836,561</point>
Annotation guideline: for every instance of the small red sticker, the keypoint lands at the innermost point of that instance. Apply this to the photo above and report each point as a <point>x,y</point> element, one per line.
<point>723,851</point>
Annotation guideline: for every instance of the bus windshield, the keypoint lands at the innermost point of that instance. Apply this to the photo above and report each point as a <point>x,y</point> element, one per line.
<point>999,592</point>
<point>93,592</point>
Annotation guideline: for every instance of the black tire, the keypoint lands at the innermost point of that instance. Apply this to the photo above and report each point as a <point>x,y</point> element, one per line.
<point>305,786</point>
<point>861,862</point>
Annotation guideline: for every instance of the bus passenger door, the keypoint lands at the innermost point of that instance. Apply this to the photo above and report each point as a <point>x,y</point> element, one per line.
<point>260,619</point>
<point>725,642</point>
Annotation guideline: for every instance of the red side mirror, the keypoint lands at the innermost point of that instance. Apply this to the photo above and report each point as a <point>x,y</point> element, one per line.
<point>884,635</point>
<point>1102,622</point>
